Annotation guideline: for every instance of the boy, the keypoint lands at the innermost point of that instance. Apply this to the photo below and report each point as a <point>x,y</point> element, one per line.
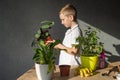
<point>68,17</point>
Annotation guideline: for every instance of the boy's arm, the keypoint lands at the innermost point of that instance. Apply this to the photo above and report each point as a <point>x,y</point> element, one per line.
<point>72,50</point>
<point>60,46</point>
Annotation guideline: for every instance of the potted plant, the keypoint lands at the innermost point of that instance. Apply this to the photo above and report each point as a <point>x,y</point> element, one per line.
<point>90,48</point>
<point>44,52</point>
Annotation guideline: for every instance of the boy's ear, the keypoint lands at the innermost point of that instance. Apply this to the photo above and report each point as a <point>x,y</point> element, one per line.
<point>71,17</point>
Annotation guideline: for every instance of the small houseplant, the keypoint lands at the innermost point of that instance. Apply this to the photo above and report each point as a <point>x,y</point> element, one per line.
<point>44,51</point>
<point>90,48</point>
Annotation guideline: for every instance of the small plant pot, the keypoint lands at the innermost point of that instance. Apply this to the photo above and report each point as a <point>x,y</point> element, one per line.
<point>64,70</point>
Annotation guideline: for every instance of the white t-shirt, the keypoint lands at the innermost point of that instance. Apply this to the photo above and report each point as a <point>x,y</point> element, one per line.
<point>69,39</point>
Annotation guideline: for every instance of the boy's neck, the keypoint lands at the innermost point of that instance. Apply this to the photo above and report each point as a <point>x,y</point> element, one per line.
<point>73,24</point>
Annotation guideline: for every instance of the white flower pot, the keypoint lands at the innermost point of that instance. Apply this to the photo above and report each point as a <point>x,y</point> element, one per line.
<point>41,72</point>
<point>118,76</point>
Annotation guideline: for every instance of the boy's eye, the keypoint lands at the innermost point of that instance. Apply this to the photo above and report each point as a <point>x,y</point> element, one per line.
<point>61,19</point>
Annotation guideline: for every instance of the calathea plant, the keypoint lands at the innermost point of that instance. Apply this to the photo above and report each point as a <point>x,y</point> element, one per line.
<point>44,51</point>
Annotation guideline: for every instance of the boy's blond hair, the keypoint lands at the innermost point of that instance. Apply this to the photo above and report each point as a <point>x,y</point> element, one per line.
<point>69,10</point>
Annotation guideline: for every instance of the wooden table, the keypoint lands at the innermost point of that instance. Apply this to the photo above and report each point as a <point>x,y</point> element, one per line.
<point>31,74</point>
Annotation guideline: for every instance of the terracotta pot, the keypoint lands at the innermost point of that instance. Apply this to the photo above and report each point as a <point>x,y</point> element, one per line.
<point>64,70</point>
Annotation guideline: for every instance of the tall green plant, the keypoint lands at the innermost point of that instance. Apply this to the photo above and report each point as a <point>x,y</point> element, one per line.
<point>44,52</point>
<point>89,44</point>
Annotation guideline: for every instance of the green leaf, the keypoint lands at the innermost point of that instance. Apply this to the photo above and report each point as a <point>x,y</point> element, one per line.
<point>33,43</point>
<point>51,23</point>
<point>46,34</point>
<point>45,26</point>
<point>37,36</point>
<point>39,31</point>
<point>41,43</point>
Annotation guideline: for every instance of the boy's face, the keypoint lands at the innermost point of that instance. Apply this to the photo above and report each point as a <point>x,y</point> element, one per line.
<point>66,20</point>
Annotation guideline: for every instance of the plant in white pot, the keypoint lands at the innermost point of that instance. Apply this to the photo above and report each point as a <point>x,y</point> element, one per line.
<point>90,47</point>
<point>44,51</point>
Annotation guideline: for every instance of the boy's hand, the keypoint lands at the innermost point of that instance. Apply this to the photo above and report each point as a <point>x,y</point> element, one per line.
<point>49,41</point>
<point>72,50</point>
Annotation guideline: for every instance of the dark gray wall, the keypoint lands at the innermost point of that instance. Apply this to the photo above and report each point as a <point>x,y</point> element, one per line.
<point>19,19</point>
